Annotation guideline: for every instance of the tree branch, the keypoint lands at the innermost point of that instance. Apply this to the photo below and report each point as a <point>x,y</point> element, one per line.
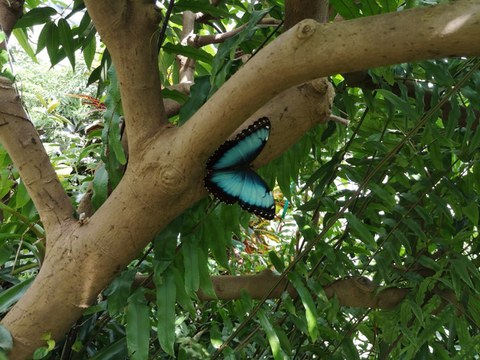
<point>10,12</point>
<point>128,29</point>
<point>355,291</point>
<point>186,72</point>
<point>20,139</point>
<point>442,30</point>
<point>197,41</point>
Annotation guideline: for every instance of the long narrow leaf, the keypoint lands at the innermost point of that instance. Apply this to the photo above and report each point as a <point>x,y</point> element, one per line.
<point>166,295</point>
<point>361,230</point>
<point>272,337</point>
<point>66,39</point>
<point>307,300</point>
<point>138,326</point>
<point>13,294</point>
<point>115,351</point>
<point>22,38</point>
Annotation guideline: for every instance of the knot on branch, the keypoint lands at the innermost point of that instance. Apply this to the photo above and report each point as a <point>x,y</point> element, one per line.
<point>306,28</point>
<point>172,180</point>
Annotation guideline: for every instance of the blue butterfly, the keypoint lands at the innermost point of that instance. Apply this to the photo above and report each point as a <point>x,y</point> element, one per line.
<point>229,174</point>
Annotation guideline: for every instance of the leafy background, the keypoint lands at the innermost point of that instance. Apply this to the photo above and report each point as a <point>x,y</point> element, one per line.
<point>393,197</point>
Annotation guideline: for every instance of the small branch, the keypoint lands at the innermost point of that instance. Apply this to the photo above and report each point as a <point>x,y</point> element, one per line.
<point>339,120</point>
<point>128,29</point>
<point>186,65</point>
<point>20,139</point>
<point>202,40</point>
<point>198,41</point>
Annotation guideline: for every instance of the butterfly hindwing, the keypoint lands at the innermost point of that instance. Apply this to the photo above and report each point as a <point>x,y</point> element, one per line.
<point>244,187</point>
<point>230,178</point>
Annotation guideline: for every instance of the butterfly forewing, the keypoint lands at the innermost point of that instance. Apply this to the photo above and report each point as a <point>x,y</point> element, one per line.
<point>241,151</point>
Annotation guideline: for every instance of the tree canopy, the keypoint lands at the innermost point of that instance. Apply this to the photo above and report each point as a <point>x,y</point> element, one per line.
<point>111,247</point>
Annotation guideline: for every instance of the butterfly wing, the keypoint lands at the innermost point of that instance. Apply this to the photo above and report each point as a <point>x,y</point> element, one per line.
<point>244,186</point>
<point>243,149</point>
<point>230,178</point>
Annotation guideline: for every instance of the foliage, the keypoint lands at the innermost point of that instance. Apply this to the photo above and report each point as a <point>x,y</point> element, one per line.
<point>395,197</point>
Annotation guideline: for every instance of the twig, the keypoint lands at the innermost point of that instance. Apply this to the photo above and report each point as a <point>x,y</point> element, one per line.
<point>339,120</point>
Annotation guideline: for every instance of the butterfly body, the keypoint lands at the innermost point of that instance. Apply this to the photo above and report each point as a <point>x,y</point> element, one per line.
<point>230,176</point>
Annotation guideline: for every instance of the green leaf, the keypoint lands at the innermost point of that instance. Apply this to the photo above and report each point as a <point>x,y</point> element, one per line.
<point>166,296</point>
<point>471,211</point>
<point>418,312</point>
<point>276,261</point>
<point>217,239</point>
<point>183,299</point>
<point>35,16</point>
<point>13,294</point>
<point>474,142</point>
<point>188,51</point>
<point>349,349</point>
<point>66,40</point>
<point>175,95</point>
<point>201,6</point>
<point>398,102</point>
<point>389,5</point>
<point>206,284</point>
<point>100,187</point>
<point>40,353</point>
<point>347,9</point>
<point>190,261</point>
<point>361,230</point>
<point>21,197</point>
<point>119,291</point>
<point>198,95</point>
<point>460,267</point>
<point>6,340</point>
<point>429,263</point>
<point>308,303</point>
<point>53,43</point>
<point>114,156</point>
<point>114,351</point>
<point>22,38</point>
<point>138,326</point>
<point>272,337</point>
<point>89,51</point>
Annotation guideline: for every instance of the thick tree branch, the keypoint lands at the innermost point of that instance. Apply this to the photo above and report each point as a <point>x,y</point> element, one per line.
<point>20,139</point>
<point>311,50</point>
<point>128,29</point>
<point>356,291</point>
